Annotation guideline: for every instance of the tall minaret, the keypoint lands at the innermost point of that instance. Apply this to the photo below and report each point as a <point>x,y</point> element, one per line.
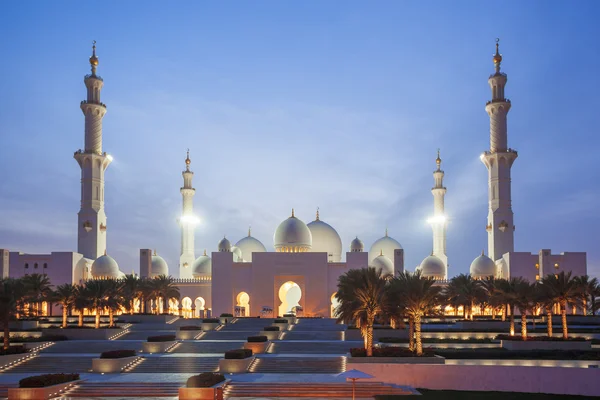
<point>439,222</point>
<point>188,222</point>
<point>498,160</point>
<point>91,233</point>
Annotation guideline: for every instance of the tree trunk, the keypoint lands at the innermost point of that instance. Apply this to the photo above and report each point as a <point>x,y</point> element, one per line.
<point>563,311</point>
<point>97,317</point>
<point>6,333</point>
<point>132,305</point>
<point>512,321</point>
<point>418,343</point>
<point>471,310</point>
<point>504,309</point>
<point>411,334</point>
<point>111,317</point>
<point>80,320</point>
<point>166,305</point>
<point>493,313</point>
<point>370,340</point>
<point>523,324</point>
<point>64,315</point>
<point>549,322</point>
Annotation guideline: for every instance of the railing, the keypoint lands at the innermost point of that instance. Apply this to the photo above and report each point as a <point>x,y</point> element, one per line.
<point>193,280</point>
<point>88,76</point>
<point>94,103</point>
<point>497,101</point>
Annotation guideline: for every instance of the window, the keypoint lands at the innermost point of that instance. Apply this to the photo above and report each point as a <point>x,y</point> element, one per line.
<point>26,265</point>
<point>45,265</point>
<point>35,265</point>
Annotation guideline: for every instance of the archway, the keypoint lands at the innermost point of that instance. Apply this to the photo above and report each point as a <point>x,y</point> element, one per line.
<point>289,295</point>
<point>199,303</point>
<point>334,303</point>
<point>242,305</point>
<point>174,306</point>
<point>186,304</point>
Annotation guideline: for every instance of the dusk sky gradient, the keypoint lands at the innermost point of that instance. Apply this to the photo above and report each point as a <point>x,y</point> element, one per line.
<point>339,105</point>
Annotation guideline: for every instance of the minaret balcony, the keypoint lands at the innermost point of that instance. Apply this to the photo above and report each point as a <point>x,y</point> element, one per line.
<point>92,103</point>
<point>93,76</point>
<point>497,101</point>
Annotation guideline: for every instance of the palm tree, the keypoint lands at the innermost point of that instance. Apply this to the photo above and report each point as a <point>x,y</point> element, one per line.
<point>114,298</point>
<point>80,303</point>
<point>419,297</point>
<point>11,293</point>
<point>65,296</point>
<point>524,297</point>
<point>362,294</point>
<point>563,290</point>
<point>589,289</point>
<point>508,295</point>
<point>147,291</point>
<point>166,290</point>
<point>131,291</point>
<point>492,295</point>
<point>37,289</point>
<point>97,292</point>
<point>545,299</point>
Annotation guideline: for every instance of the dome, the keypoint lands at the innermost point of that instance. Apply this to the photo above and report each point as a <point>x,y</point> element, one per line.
<point>159,266</point>
<point>292,236</point>
<point>202,266</point>
<point>384,264</point>
<point>105,267</point>
<point>482,267</point>
<point>325,239</point>
<point>237,254</point>
<point>249,245</point>
<point>224,245</point>
<point>357,245</point>
<point>433,267</point>
<point>387,245</point>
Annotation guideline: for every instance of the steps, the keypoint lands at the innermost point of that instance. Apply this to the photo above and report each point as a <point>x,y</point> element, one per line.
<point>248,324</point>
<point>140,334</point>
<point>47,364</point>
<point>310,347</point>
<point>206,347</point>
<point>89,390</point>
<point>296,334</point>
<point>363,390</point>
<point>228,335</point>
<point>174,365</point>
<point>298,365</point>
<point>90,346</point>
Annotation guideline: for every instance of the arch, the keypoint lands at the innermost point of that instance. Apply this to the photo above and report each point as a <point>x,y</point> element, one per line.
<point>199,304</point>
<point>334,303</point>
<point>289,295</point>
<point>186,304</point>
<point>174,306</point>
<point>242,305</point>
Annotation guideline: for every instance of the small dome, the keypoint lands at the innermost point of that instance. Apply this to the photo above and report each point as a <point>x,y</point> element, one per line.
<point>325,239</point>
<point>433,267</point>
<point>384,264</point>
<point>292,236</point>
<point>105,267</point>
<point>250,245</point>
<point>159,266</point>
<point>482,267</point>
<point>224,245</point>
<point>357,245</point>
<point>202,266</point>
<point>237,254</point>
<point>387,245</point>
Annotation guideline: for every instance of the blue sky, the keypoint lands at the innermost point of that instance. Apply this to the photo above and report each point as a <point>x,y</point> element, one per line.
<point>337,105</point>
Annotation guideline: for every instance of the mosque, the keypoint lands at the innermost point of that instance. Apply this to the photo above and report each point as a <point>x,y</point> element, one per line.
<point>301,274</point>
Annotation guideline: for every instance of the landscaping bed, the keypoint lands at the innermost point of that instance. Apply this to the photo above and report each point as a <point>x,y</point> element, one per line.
<point>113,361</point>
<point>158,344</point>
<point>236,361</point>
<point>436,340</point>
<point>46,380</point>
<point>503,354</point>
<point>203,387</point>
<point>118,354</point>
<point>390,352</point>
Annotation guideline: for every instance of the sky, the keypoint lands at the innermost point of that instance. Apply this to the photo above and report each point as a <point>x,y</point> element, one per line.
<point>340,105</point>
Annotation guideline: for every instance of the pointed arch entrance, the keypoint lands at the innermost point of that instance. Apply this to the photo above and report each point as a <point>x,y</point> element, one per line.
<point>290,295</point>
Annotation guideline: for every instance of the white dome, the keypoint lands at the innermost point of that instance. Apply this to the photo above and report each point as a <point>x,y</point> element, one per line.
<point>202,266</point>
<point>387,245</point>
<point>432,267</point>
<point>237,254</point>
<point>325,239</point>
<point>292,236</point>
<point>224,245</point>
<point>159,266</point>
<point>384,264</point>
<point>357,245</point>
<point>250,245</point>
<point>482,267</point>
<point>105,267</point>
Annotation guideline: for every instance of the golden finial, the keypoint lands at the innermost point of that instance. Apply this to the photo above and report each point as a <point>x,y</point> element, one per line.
<point>250,231</point>
<point>154,252</point>
<point>204,251</point>
<point>497,57</point>
<point>386,231</point>
<point>187,159</point>
<point>438,160</point>
<point>482,253</point>
<point>293,213</point>
<point>317,213</point>
<point>381,251</point>
<point>105,252</point>
<point>93,58</point>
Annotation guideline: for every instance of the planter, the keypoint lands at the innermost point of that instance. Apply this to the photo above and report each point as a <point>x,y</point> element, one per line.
<point>12,358</point>
<point>545,345</point>
<point>18,325</point>
<point>39,393</point>
<point>210,326</point>
<point>110,365</point>
<point>225,320</point>
<point>83,334</point>
<point>395,360</point>
<point>354,334</point>
<point>146,318</point>
<point>290,320</point>
<point>500,325</point>
<point>271,335</point>
<point>212,393</point>
<point>234,366</point>
<point>257,347</point>
<point>157,347</point>
<point>188,335</point>
<point>281,325</point>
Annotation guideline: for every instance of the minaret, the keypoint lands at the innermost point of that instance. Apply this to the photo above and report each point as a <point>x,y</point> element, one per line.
<point>439,222</point>
<point>187,221</point>
<point>91,232</point>
<point>498,160</point>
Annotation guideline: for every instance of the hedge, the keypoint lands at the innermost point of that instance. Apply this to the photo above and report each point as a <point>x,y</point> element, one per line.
<point>540,338</point>
<point>46,380</point>
<point>228,315</point>
<point>288,315</point>
<point>205,379</point>
<point>271,329</point>
<point>281,321</point>
<point>257,339</point>
<point>190,328</point>
<point>13,350</point>
<point>238,354</point>
<point>211,320</point>
<point>390,352</point>
<point>117,354</point>
<point>161,338</point>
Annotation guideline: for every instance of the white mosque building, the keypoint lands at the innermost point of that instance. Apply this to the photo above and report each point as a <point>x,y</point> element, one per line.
<point>302,273</point>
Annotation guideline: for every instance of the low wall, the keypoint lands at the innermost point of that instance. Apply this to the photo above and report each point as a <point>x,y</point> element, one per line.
<point>157,347</point>
<point>357,362</point>
<point>234,366</point>
<point>187,334</point>
<point>146,318</point>
<point>571,381</point>
<point>83,334</point>
<point>38,393</point>
<point>271,335</point>
<point>111,365</point>
<point>500,325</point>
<point>12,358</point>
<point>354,334</point>
<point>545,345</point>
<point>210,326</point>
<point>17,325</point>
<point>257,347</point>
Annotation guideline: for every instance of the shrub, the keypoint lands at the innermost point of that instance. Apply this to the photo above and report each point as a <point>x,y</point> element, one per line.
<point>238,354</point>
<point>281,321</point>
<point>271,329</point>
<point>390,352</point>
<point>190,328</point>
<point>13,350</point>
<point>540,338</point>
<point>257,339</point>
<point>118,354</point>
<point>228,315</point>
<point>211,320</point>
<point>161,338</point>
<point>46,380</point>
<point>205,379</point>
<point>289,315</point>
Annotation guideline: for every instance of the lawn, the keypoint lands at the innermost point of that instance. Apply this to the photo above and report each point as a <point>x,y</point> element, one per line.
<point>468,395</point>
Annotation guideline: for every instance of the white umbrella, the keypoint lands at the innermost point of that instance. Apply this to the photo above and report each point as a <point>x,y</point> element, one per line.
<point>353,375</point>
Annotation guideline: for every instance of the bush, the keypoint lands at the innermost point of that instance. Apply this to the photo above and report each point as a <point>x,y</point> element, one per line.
<point>238,354</point>
<point>190,328</point>
<point>228,315</point>
<point>211,320</point>
<point>390,352</point>
<point>161,338</point>
<point>46,380</point>
<point>289,315</point>
<point>13,350</point>
<point>540,338</point>
<point>205,379</point>
<point>271,329</point>
<point>257,339</point>
<point>281,321</point>
<point>118,354</point>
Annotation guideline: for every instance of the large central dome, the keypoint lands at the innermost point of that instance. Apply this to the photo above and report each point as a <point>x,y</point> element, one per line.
<point>292,236</point>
